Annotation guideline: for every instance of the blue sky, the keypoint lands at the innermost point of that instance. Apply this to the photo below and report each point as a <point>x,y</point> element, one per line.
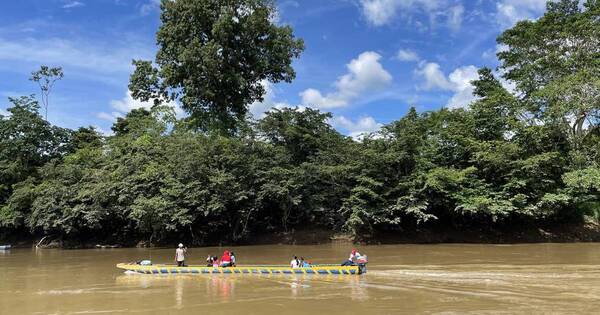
<point>366,61</point>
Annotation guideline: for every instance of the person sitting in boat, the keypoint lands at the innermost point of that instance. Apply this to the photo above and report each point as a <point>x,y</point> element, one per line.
<point>304,263</point>
<point>352,259</point>
<point>215,262</point>
<point>209,261</point>
<point>226,259</point>
<point>180,255</point>
<point>232,255</point>
<point>295,263</point>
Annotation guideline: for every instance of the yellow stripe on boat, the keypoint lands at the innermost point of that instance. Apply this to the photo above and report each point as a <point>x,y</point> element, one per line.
<point>170,269</point>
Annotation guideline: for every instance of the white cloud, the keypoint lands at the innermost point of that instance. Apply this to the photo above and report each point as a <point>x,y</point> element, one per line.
<point>72,4</point>
<point>3,112</point>
<point>407,55</point>
<point>90,58</point>
<point>492,53</point>
<point>356,129</point>
<point>459,82</point>
<point>258,109</point>
<point>126,104</point>
<point>365,75</point>
<point>455,17</point>
<point>511,11</point>
<point>112,116</point>
<point>433,76</point>
<point>150,6</point>
<point>382,12</point>
<point>379,12</point>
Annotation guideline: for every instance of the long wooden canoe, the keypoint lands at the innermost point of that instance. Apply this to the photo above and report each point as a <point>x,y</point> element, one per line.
<point>171,269</point>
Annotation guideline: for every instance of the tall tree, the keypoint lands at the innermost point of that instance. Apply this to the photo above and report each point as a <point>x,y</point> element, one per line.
<point>214,56</point>
<point>555,63</point>
<point>27,141</point>
<point>45,78</point>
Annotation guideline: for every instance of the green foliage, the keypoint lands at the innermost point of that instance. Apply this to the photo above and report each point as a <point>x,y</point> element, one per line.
<point>555,62</point>
<point>214,57</point>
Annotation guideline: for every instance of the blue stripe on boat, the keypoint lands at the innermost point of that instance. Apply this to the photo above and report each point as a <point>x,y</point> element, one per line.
<point>298,271</point>
<point>352,271</point>
<point>204,270</point>
<point>226,271</point>
<point>287,271</point>
<point>164,271</point>
<point>310,271</point>
<point>276,271</point>
<point>195,271</point>
<point>254,270</point>
<point>322,272</point>
<point>264,271</point>
<point>335,271</point>
<point>245,271</point>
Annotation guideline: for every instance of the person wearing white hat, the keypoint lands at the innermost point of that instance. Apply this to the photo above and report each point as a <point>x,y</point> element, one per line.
<point>180,255</point>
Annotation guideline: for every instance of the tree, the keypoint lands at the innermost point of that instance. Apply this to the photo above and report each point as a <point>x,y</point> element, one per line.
<point>302,132</point>
<point>27,142</point>
<point>214,56</point>
<point>45,78</point>
<point>554,63</point>
<point>86,137</point>
<point>131,121</point>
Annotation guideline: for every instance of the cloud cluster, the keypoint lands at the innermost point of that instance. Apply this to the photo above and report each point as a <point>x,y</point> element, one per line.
<point>459,82</point>
<point>126,104</point>
<point>382,12</point>
<point>72,4</point>
<point>95,60</point>
<point>365,74</point>
<point>258,109</point>
<point>149,6</point>
<point>511,11</point>
<point>407,55</point>
<point>356,129</point>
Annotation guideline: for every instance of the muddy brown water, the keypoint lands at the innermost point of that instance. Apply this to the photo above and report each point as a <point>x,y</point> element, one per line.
<point>409,279</point>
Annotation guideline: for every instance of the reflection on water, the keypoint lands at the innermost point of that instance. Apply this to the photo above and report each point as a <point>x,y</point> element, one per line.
<point>441,279</point>
<point>222,287</point>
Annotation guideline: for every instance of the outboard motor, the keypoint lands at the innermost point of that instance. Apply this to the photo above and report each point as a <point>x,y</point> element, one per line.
<point>362,261</point>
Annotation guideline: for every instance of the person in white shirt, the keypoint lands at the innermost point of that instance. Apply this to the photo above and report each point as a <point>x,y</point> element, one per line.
<point>352,259</point>
<point>180,255</point>
<point>295,263</point>
<point>354,255</point>
<point>232,255</point>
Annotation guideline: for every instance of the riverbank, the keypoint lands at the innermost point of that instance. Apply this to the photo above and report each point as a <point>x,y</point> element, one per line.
<point>566,233</point>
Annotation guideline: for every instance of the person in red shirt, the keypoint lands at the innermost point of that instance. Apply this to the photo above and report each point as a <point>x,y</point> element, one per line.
<point>226,259</point>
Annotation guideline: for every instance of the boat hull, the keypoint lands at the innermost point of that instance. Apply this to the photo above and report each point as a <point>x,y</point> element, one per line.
<point>169,269</point>
<point>5,247</point>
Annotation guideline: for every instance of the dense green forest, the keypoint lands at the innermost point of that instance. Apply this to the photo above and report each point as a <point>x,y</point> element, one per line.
<point>522,157</point>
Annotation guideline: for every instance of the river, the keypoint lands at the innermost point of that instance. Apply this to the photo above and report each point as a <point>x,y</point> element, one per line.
<point>410,279</point>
